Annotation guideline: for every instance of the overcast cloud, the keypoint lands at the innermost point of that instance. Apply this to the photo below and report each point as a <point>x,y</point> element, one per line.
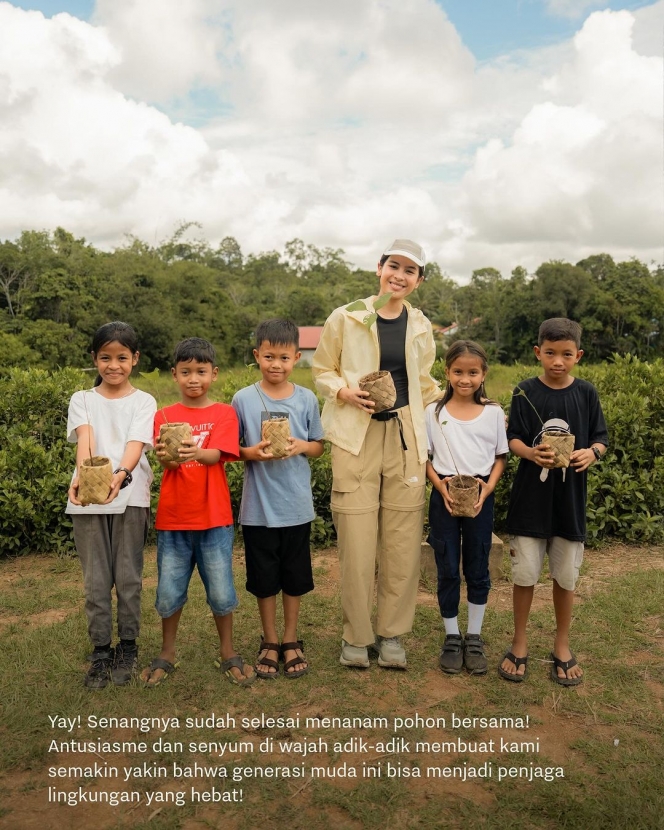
<point>345,126</point>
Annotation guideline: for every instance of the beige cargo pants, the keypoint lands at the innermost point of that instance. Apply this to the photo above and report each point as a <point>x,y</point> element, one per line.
<point>378,508</point>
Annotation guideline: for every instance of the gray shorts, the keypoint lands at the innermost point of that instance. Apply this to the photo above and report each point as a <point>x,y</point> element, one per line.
<point>527,558</point>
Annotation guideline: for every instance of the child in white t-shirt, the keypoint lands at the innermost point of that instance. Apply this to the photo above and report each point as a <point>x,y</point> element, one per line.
<point>466,435</point>
<point>113,419</point>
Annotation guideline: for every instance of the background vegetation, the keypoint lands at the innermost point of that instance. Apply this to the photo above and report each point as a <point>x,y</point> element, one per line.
<point>626,491</point>
<point>55,290</point>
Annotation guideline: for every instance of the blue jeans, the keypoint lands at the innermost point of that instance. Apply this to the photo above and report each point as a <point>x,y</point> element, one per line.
<point>211,551</point>
<point>459,540</point>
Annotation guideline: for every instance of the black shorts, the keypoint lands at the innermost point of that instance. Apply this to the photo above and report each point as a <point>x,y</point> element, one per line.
<point>278,559</point>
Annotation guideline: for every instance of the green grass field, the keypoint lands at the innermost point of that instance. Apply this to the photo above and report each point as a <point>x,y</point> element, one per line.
<point>607,735</point>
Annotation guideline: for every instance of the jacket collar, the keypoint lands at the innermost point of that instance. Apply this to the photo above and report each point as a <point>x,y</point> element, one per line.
<point>414,315</point>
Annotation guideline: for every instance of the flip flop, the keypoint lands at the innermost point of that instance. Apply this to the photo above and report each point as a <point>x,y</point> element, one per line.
<point>564,665</point>
<point>165,666</point>
<point>298,646</point>
<point>237,662</point>
<point>518,661</point>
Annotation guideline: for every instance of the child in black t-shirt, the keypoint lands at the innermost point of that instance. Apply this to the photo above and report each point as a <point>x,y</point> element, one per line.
<point>547,506</point>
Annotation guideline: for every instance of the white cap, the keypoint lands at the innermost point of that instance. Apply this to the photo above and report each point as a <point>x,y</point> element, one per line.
<point>406,247</point>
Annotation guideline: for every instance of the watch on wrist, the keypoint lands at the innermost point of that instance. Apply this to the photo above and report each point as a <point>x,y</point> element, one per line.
<point>598,454</point>
<point>129,477</point>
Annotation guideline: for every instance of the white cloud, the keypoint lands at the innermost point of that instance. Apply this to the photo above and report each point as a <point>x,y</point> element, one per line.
<point>350,124</point>
<point>583,169</point>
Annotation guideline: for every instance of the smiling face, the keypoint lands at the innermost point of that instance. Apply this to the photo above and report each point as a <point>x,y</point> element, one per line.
<point>114,363</point>
<point>558,358</point>
<point>465,375</point>
<point>194,379</point>
<point>276,361</point>
<point>399,276</point>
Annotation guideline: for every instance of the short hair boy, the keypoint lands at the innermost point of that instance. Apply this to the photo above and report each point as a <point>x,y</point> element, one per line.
<point>547,509</point>
<point>277,505</point>
<point>194,519</point>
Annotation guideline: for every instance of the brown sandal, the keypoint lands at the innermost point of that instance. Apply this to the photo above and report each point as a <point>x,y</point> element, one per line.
<point>298,646</point>
<point>267,661</point>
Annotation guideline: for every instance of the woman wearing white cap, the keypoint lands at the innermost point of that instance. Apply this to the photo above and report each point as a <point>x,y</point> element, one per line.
<point>378,459</point>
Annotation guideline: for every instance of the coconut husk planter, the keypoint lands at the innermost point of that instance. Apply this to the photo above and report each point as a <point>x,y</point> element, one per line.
<point>380,387</point>
<point>465,492</point>
<point>94,480</point>
<point>172,436</point>
<point>562,444</point>
<point>277,432</point>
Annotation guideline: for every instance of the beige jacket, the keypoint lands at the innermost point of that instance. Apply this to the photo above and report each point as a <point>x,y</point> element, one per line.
<point>347,351</point>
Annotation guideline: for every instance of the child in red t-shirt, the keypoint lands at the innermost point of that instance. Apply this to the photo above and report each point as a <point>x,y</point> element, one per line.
<point>194,519</point>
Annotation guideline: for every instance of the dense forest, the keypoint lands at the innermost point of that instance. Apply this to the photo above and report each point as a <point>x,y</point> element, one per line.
<point>55,290</point>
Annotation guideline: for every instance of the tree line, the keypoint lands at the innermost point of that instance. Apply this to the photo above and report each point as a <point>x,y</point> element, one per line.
<point>56,290</point>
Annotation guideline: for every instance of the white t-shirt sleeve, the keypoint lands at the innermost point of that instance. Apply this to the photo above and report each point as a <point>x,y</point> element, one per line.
<point>142,424</point>
<point>502,444</point>
<point>77,416</point>
<point>428,422</point>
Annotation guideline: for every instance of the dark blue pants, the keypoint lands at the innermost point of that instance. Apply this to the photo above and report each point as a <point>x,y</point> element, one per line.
<point>460,541</point>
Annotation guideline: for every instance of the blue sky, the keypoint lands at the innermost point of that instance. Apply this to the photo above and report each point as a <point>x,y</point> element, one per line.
<point>488,27</point>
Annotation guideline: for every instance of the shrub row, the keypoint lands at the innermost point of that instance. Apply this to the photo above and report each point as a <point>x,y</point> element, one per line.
<point>626,491</point>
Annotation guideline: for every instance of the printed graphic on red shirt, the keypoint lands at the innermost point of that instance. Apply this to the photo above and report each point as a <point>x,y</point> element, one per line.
<point>195,496</point>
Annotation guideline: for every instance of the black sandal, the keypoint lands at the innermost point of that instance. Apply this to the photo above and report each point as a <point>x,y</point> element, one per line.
<point>267,661</point>
<point>518,661</point>
<point>298,646</point>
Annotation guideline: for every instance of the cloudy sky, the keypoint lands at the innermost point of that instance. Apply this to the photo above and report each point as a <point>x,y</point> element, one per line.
<point>496,132</point>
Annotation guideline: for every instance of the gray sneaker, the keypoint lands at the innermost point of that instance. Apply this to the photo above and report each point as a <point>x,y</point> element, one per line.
<point>391,654</point>
<point>124,664</point>
<point>474,658</point>
<point>354,656</point>
<point>451,657</point>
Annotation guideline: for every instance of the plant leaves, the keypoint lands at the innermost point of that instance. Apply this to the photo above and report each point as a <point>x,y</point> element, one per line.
<point>151,376</point>
<point>358,305</point>
<point>384,299</point>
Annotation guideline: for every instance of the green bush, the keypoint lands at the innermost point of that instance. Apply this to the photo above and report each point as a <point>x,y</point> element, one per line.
<point>625,491</point>
<point>36,461</point>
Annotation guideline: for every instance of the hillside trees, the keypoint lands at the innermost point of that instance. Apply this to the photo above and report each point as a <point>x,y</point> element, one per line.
<point>56,289</point>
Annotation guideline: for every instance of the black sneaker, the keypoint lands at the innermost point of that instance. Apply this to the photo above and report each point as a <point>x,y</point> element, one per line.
<point>474,658</point>
<point>100,670</point>
<point>451,657</point>
<point>124,664</point>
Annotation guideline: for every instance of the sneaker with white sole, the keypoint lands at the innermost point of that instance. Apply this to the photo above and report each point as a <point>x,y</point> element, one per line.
<point>391,654</point>
<point>354,656</point>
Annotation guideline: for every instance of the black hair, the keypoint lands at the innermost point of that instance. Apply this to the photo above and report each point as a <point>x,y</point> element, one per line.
<point>194,348</point>
<point>559,328</point>
<point>278,332</point>
<point>385,257</point>
<point>456,350</point>
<point>115,332</point>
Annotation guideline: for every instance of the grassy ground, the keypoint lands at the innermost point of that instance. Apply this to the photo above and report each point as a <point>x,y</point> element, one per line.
<point>607,736</point>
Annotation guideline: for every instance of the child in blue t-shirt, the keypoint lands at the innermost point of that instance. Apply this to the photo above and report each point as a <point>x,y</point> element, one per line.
<point>277,505</point>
